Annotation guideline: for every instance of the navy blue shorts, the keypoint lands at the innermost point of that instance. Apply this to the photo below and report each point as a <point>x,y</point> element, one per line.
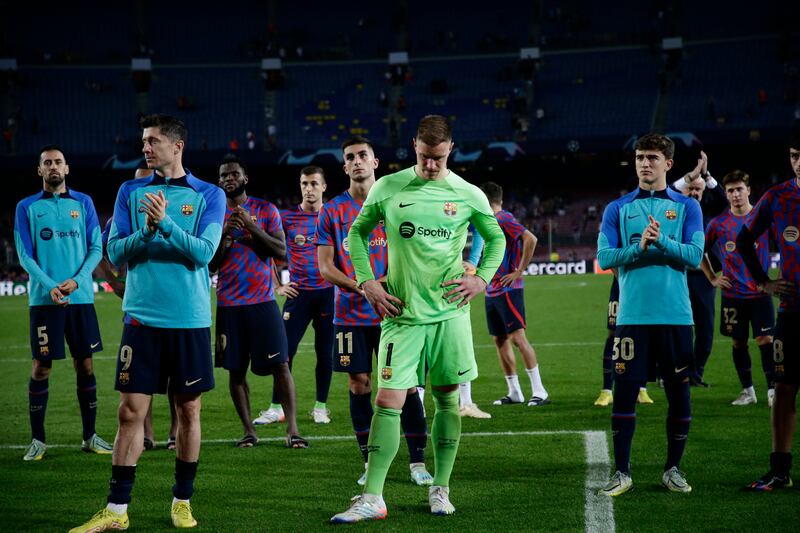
<point>505,313</point>
<point>250,334</point>
<point>51,324</point>
<point>786,348</point>
<point>309,305</point>
<point>354,348</point>
<point>150,359</point>
<point>641,353</point>
<point>613,305</point>
<point>739,313</point>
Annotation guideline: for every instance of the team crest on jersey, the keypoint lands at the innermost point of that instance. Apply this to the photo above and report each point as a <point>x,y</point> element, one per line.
<point>730,246</point>
<point>187,209</point>
<point>671,214</point>
<point>619,368</point>
<point>346,245</point>
<point>344,360</point>
<point>790,234</point>
<point>124,378</point>
<point>386,373</point>
<point>44,350</point>
<point>254,219</point>
<point>287,315</point>
<point>74,214</point>
<point>299,239</point>
<point>450,209</point>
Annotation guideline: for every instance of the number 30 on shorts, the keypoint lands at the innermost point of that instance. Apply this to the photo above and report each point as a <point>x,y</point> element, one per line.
<point>623,349</point>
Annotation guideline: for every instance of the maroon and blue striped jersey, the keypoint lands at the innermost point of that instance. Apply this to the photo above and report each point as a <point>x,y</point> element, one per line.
<point>513,231</point>
<point>335,219</point>
<point>779,209</point>
<point>244,278</point>
<point>300,228</point>
<point>721,236</point>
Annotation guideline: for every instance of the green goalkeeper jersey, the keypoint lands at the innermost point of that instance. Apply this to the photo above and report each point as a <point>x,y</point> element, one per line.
<point>426,229</point>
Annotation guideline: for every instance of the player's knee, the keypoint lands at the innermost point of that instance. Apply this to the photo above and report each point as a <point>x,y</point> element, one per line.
<point>360,383</point>
<point>188,411</point>
<point>40,370</point>
<point>130,413</point>
<point>84,367</point>
<point>740,343</point>
<point>500,340</point>
<point>765,339</point>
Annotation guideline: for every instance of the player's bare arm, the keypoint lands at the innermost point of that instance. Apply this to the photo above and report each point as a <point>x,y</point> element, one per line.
<point>716,281</point>
<point>332,274</point>
<point>529,241</point>
<point>264,244</point>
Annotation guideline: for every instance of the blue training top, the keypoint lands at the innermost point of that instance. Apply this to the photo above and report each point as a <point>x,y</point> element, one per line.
<point>167,284</point>
<point>58,238</point>
<point>652,284</point>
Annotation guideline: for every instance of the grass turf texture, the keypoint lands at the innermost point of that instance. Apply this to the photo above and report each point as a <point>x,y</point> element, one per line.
<point>500,483</point>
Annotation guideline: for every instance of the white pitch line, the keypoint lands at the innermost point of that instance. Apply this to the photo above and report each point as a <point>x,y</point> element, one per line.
<point>305,344</point>
<point>598,510</point>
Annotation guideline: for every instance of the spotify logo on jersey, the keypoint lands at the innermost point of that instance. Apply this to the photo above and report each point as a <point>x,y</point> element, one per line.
<point>407,230</point>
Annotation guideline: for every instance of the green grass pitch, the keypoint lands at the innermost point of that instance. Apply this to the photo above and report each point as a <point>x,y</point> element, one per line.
<point>524,470</point>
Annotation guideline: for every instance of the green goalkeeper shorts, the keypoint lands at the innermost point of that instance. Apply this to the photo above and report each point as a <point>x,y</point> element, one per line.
<point>443,348</point>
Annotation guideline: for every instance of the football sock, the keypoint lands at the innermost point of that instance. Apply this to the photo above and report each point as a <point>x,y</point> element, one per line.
<point>361,416</point>
<point>37,406</point>
<point>121,484</point>
<point>623,422</point>
<point>536,382</point>
<point>741,359</point>
<point>415,428</point>
<point>465,393</point>
<point>384,440</point>
<point>445,435</point>
<point>768,364</point>
<point>87,399</point>
<point>514,390</point>
<point>119,508</point>
<point>320,405</point>
<point>608,364</point>
<point>780,463</point>
<point>185,473</point>
<point>323,372</point>
<point>679,418</point>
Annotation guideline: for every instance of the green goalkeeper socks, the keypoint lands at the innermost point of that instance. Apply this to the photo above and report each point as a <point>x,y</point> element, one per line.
<point>445,435</point>
<point>384,440</point>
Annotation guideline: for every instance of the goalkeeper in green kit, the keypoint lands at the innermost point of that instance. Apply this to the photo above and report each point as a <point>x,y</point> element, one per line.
<point>426,210</point>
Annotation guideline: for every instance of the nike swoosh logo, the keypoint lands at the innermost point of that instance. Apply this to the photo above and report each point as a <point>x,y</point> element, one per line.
<point>272,355</point>
<point>190,383</point>
<point>632,216</point>
<point>464,372</point>
<point>765,329</point>
<point>95,345</point>
<point>402,205</point>
<point>40,215</point>
<point>679,370</point>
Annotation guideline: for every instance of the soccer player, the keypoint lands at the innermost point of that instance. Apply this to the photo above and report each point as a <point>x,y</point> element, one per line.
<point>425,210</point>
<point>606,396</point>
<point>249,327</point>
<point>309,297</point>
<point>57,236</point>
<point>505,305</point>
<point>166,228</point>
<point>779,211</point>
<point>116,279</point>
<point>651,236</point>
<point>700,185</point>
<point>743,304</point>
<point>356,324</point>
